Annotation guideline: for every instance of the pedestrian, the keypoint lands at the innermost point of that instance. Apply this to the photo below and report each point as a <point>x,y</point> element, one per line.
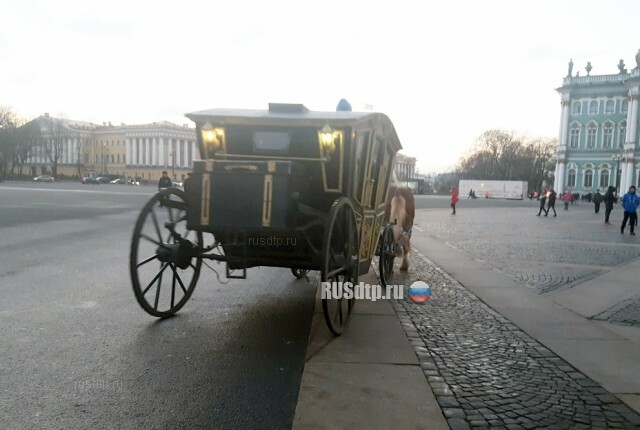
<point>551,202</point>
<point>567,198</point>
<point>597,199</point>
<point>630,205</point>
<point>454,200</point>
<point>165,181</point>
<point>608,203</point>
<point>543,200</point>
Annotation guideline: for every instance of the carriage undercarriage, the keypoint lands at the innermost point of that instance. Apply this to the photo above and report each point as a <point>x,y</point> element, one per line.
<point>176,250</point>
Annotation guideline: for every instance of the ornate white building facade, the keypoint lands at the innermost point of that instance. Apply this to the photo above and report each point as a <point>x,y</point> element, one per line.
<point>598,139</point>
<point>83,148</point>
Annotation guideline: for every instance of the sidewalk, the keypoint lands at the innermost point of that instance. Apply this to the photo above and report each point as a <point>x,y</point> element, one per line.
<point>367,378</point>
<point>607,353</point>
<point>371,377</point>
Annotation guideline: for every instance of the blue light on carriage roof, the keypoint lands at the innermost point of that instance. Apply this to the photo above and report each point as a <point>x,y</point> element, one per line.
<point>343,106</point>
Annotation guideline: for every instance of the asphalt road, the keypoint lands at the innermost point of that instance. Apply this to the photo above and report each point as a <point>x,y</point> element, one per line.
<point>78,352</point>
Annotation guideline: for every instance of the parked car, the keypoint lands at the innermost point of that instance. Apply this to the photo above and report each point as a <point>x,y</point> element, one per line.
<point>120,181</point>
<point>88,180</point>
<point>176,184</point>
<point>103,179</point>
<point>44,178</point>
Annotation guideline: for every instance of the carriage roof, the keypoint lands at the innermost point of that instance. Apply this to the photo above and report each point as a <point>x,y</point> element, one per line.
<point>280,114</point>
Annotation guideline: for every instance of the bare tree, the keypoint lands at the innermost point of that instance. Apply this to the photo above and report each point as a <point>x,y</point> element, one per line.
<point>54,137</point>
<point>502,155</point>
<point>11,142</point>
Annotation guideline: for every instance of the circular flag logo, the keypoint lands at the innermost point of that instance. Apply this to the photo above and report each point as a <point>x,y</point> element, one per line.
<point>419,292</point>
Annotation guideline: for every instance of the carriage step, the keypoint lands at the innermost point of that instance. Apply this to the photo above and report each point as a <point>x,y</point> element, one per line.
<point>231,275</point>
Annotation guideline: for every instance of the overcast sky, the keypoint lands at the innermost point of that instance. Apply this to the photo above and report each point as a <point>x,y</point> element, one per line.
<point>444,72</point>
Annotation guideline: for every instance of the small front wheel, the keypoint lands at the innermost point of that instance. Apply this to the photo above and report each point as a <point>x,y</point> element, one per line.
<point>299,273</point>
<point>387,255</point>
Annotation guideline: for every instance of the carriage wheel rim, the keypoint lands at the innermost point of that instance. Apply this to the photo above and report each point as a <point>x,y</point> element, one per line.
<point>150,289</point>
<point>338,311</point>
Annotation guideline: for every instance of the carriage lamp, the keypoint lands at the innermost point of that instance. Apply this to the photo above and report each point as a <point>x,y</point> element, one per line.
<point>327,139</point>
<point>213,138</point>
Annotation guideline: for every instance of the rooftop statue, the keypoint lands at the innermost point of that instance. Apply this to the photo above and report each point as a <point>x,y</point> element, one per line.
<point>621,67</point>
<point>588,68</point>
<point>638,59</point>
<point>569,74</point>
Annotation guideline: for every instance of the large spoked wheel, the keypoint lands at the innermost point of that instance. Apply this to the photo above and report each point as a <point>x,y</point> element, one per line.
<point>340,263</point>
<point>164,268</point>
<point>387,255</point>
<point>299,273</point>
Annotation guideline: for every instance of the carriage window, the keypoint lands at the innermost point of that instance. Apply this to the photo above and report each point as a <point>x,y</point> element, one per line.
<point>271,141</point>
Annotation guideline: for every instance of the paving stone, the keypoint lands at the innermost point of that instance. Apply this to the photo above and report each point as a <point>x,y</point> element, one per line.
<point>491,372</point>
<point>458,424</point>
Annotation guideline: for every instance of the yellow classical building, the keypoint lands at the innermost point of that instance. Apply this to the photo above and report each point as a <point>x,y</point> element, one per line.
<point>84,149</point>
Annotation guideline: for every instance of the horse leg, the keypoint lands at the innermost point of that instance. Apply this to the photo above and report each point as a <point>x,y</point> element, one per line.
<point>405,255</point>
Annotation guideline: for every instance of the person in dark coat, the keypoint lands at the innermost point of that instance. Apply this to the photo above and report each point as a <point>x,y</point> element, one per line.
<point>165,181</point>
<point>597,199</point>
<point>551,202</point>
<point>543,200</point>
<point>608,203</point>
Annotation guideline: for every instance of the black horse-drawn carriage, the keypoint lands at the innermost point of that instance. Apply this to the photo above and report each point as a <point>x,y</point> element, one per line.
<point>285,187</point>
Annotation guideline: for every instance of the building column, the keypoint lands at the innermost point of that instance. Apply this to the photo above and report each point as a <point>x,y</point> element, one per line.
<point>629,175</point>
<point>127,152</point>
<point>185,161</point>
<point>562,144</point>
<point>75,151</point>
<point>170,153</point>
<point>193,152</point>
<point>560,180</point>
<point>161,160</point>
<point>68,155</point>
<point>147,152</point>
<point>564,122</point>
<point>177,153</point>
<point>134,151</point>
<point>154,151</point>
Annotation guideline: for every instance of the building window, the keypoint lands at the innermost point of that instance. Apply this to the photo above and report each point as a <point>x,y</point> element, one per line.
<point>588,179</point>
<point>118,158</point>
<point>608,107</point>
<point>591,136</point>
<point>571,180</point>
<point>604,178</point>
<point>622,135</point>
<point>574,138</point>
<point>608,136</point>
<point>576,108</point>
<point>593,107</point>
<point>624,106</point>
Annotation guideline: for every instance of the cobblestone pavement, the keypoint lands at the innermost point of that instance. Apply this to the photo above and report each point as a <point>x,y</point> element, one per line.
<point>487,373</point>
<point>544,253</point>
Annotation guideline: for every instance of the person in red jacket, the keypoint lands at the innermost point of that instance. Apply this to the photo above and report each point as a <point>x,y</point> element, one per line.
<point>454,200</point>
